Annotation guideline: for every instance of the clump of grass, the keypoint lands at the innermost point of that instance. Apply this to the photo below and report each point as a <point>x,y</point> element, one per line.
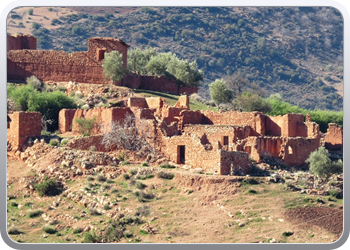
<point>54,142</point>
<point>333,192</point>
<point>127,234</point>
<point>94,212</point>
<point>144,164</point>
<point>190,191</point>
<point>122,156</point>
<point>101,178</point>
<point>48,188</point>
<point>165,175</point>
<point>140,185</point>
<point>106,207</point>
<point>252,191</point>
<point>93,148</point>
<point>133,172</point>
<point>64,142</point>
<point>77,230</point>
<point>167,165</point>
<point>126,176</point>
<point>13,230</point>
<point>35,213</point>
<point>249,181</point>
<point>14,204</point>
<point>143,232</point>
<point>287,233</point>
<point>11,197</point>
<point>90,178</point>
<point>125,162</point>
<point>89,238</point>
<point>49,230</point>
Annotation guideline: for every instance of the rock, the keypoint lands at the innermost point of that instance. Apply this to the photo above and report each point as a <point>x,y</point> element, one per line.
<point>241,224</point>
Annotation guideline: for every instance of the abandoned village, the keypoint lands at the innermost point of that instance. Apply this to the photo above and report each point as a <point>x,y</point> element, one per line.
<point>223,143</point>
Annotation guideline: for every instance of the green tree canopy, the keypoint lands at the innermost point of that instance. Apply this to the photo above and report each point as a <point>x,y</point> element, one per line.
<point>113,67</point>
<point>219,92</point>
<point>322,166</point>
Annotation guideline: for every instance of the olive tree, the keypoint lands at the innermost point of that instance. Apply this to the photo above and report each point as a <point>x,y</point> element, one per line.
<point>113,67</point>
<point>219,92</point>
<point>322,166</point>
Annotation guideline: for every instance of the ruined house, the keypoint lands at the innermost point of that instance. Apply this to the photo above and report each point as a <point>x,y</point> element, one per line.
<point>24,60</point>
<point>20,127</point>
<point>217,142</point>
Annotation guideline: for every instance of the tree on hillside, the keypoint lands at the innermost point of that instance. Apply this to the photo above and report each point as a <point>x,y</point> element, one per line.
<point>138,59</point>
<point>219,92</point>
<point>113,66</point>
<point>249,102</point>
<point>149,62</point>
<point>236,82</point>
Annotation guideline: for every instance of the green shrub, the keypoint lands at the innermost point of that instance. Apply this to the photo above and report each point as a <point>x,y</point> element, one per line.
<point>13,230</point>
<point>127,234</point>
<point>122,156</point>
<point>90,178</point>
<point>49,230</point>
<point>287,233</point>
<point>126,176</point>
<point>166,165</point>
<point>252,191</point>
<point>33,80</point>
<point>93,148</point>
<point>14,204</point>
<point>101,178</point>
<point>54,142</point>
<point>94,212</point>
<point>77,230</point>
<point>165,175</point>
<point>86,126</point>
<point>144,164</point>
<point>140,185</point>
<point>333,192</point>
<point>321,165</point>
<point>133,172</point>
<point>48,188</point>
<point>30,11</point>
<point>35,213</point>
<point>106,207</point>
<point>64,142</point>
<point>125,163</point>
<point>89,238</point>
<point>249,181</point>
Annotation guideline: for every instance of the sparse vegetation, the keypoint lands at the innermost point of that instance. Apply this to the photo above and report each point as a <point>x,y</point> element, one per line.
<point>48,188</point>
<point>165,175</point>
<point>35,213</point>
<point>86,126</point>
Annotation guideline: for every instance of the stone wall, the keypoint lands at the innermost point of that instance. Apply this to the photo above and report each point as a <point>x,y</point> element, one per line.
<point>21,126</point>
<point>104,118</point>
<point>51,65</point>
<point>234,163</point>
<point>86,143</point>
<point>334,137</point>
<point>21,42</point>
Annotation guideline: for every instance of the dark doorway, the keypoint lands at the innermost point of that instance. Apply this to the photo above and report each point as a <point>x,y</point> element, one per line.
<point>181,154</point>
<point>225,140</point>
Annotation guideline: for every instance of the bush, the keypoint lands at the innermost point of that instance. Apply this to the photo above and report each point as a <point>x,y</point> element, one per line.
<point>49,230</point>
<point>86,126</point>
<point>252,191</point>
<point>34,81</point>
<point>106,207</point>
<point>35,213</point>
<point>54,142</point>
<point>126,176</point>
<point>90,178</point>
<point>334,193</point>
<point>89,238</point>
<point>77,230</point>
<point>140,185</point>
<point>101,178</point>
<point>64,142</point>
<point>321,165</point>
<point>94,212</point>
<point>48,188</point>
<point>93,148</point>
<point>30,11</point>
<point>166,165</point>
<point>165,175</point>
<point>13,230</point>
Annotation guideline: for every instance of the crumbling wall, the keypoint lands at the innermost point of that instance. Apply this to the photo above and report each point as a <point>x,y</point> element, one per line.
<point>155,102</point>
<point>234,163</point>
<point>139,102</point>
<point>334,137</point>
<point>86,143</point>
<point>190,117</point>
<point>295,150</point>
<point>21,126</point>
<point>288,125</point>
<point>196,155</point>
<point>104,118</point>
<point>163,84</point>
<point>183,102</point>
<point>51,65</point>
<point>21,42</point>
<point>215,133</point>
<point>256,120</point>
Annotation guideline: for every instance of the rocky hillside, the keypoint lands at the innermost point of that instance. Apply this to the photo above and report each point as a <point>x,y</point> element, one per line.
<point>296,52</point>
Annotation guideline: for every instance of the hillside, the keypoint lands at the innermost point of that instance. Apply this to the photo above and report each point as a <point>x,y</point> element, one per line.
<point>296,52</point>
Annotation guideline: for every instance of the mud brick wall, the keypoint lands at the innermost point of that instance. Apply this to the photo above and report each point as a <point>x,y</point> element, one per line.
<point>65,119</point>
<point>334,137</point>
<point>20,42</point>
<point>239,161</point>
<point>51,65</point>
<point>214,133</point>
<point>296,150</point>
<point>163,84</point>
<point>139,102</point>
<point>255,120</point>
<point>171,114</point>
<point>190,117</point>
<point>155,102</point>
<point>22,126</point>
<point>104,118</point>
<point>196,155</point>
<point>289,125</point>
<point>183,102</point>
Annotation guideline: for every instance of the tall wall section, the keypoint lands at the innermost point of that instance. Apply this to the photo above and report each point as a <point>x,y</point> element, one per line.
<point>51,65</point>
<point>21,42</point>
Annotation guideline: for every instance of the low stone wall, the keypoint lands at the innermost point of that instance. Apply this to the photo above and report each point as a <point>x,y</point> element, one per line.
<point>87,143</point>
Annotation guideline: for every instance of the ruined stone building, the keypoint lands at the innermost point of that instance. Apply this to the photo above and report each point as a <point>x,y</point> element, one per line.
<point>20,127</point>
<point>218,142</point>
<point>24,60</point>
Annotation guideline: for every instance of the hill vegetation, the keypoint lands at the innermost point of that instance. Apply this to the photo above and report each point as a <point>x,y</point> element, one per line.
<point>296,52</point>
